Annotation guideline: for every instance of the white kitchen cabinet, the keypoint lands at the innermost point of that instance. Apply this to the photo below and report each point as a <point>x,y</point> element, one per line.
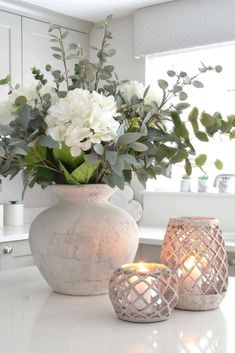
<point>15,254</point>
<point>10,53</point>
<point>37,48</point>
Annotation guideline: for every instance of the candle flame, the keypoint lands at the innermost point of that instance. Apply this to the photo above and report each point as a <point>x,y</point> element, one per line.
<point>142,267</point>
<point>190,263</point>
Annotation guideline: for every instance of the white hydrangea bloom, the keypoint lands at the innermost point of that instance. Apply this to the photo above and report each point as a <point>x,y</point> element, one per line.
<point>7,109</point>
<point>137,88</point>
<point>82,119</point>
<point>7,113</point>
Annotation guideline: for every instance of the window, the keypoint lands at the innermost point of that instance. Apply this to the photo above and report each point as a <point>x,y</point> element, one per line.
<point>218,94</point>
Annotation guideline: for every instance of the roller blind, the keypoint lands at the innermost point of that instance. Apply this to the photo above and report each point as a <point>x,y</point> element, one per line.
<point>182,24</point>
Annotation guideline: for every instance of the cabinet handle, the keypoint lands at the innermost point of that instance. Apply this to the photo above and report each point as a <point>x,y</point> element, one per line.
<point>7,250</point>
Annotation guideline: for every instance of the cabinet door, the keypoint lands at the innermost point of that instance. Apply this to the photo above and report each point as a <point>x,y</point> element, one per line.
<point>10,49</point>
<point>15,254</point>
<point>37,48</point>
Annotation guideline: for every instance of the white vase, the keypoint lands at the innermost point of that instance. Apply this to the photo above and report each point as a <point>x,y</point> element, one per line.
<point>78,243</point>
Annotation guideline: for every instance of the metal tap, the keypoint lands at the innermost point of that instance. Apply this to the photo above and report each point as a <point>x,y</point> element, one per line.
<point>222,180</point>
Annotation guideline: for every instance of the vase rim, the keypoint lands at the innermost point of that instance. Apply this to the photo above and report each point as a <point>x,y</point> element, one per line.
<point>194,221</point>
<point>90,186</point>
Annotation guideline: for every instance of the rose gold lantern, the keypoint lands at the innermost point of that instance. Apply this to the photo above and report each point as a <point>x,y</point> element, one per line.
<point>194,249</point>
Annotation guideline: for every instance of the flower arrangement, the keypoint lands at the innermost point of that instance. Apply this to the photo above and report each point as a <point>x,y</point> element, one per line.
<point>92,128</point>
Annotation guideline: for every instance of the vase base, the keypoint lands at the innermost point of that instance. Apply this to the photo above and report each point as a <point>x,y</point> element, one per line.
<point>200,302</point>
<point>79,288</point>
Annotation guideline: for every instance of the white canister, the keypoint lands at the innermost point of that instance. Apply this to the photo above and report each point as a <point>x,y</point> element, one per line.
<point>14,214</point>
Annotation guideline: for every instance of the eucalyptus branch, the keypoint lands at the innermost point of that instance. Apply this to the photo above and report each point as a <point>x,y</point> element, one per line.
<point>101,60</point>
<point>63,57</point>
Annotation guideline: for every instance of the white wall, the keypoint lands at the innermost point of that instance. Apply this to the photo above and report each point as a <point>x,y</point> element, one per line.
<point>126,65</point>
<point>159,207</point>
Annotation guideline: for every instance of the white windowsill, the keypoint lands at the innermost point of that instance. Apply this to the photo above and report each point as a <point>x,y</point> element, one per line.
<point>187,194</point>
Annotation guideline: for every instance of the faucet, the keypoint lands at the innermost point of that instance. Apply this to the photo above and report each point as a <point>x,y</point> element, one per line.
<point>222,180</point>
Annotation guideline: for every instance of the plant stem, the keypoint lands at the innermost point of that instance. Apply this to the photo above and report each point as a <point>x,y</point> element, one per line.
<point>64,58</point>
<point>43,166</point>
<point>100,63</point>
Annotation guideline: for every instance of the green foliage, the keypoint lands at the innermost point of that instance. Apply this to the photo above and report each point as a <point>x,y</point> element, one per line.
<point>201,160</point>
<point>6,80</point>
<point>63,155</point>
<point>84,173</point>
<point>218,164</point>
<point>151,138</point>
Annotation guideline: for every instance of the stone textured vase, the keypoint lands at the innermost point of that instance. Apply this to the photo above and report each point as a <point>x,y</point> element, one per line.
<point>78,243</point>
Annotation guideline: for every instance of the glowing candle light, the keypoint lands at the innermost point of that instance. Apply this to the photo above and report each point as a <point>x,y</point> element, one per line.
<point>191,275</point>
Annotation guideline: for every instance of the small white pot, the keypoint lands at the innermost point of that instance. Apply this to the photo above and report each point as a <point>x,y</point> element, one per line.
<point>202,185</point>
<point>185,185</point>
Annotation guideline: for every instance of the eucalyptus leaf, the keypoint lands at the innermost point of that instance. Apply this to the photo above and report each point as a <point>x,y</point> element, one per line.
<point>57,56</point>
<point>56,49</point>
<point>24,116</point>
<point>111,157</point>
<point>201,160</point>
<point>218,164</point>
<point>171,73</point>
<point>99,149</point>
<point>197,84</point>
<point>129,137</point>
<point>6,80</point>
<point>218,68</point>
<point>188,167</point>
<point>182,106</point>
<point>162,84</point>
<point>138,146</point>
<point>2,151</point>
<point>202,136</point>
<point>48,141</point>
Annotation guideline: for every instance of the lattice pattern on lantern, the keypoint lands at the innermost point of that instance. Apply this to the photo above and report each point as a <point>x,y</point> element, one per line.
<point>146,294</point>
<point>194,249</point>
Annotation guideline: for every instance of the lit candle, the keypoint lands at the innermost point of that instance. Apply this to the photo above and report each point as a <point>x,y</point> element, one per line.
<point>191,275</point>
<point>142,287</point>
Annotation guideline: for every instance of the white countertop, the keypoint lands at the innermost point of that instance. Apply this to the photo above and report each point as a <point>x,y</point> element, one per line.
<point>14,233</point>
<point>33,319</point>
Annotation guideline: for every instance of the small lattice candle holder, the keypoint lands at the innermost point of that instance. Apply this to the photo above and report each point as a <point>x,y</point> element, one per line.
<point>194,249</point>
<point>143,292</point>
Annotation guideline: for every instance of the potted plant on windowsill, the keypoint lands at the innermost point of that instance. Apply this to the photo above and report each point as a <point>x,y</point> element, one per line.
<point>203,183</point>
<point>84,136</point>
<point>185,184</point>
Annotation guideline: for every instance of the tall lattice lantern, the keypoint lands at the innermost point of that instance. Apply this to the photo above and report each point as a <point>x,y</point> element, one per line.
<point>194,249</point>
